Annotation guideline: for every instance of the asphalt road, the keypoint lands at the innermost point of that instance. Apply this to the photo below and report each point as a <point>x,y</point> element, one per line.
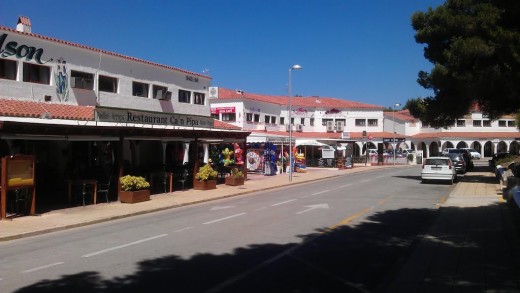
<point>345,234</point>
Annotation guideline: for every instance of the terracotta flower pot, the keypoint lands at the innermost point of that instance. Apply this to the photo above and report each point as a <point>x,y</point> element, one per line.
<point>234,181</point>
<point>134,196</point>
<point>205,185</point>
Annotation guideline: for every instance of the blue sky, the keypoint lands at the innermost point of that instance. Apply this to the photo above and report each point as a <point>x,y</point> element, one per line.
<point>352,49</point>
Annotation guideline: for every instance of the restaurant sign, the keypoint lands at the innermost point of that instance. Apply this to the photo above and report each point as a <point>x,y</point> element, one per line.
<point>222,110</point>
<point>141,117</point>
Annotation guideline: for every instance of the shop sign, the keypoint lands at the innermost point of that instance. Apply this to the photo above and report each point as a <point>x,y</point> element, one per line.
<point>222,110</point>
<point>140,117</point>
<point>397,139</point>
<point>20,51</point>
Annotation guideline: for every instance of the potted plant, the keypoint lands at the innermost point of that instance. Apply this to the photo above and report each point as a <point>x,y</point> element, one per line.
<point>134,189</point>
<point>205,178</point>
<point>235,178</point>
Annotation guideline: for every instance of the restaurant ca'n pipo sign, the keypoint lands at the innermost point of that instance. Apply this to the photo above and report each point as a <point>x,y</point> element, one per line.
<point>140,117</point>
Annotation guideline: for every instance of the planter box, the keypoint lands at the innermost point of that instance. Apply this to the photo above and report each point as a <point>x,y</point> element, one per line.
<point>134,196</point>
<point>234,181</point>
<point>204,185</point>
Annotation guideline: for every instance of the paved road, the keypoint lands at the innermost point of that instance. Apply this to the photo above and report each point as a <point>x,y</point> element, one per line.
<point>343,234</point>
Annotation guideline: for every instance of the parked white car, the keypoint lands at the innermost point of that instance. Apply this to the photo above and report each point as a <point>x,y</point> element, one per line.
<point>438,168</point>
<point>474,154</point>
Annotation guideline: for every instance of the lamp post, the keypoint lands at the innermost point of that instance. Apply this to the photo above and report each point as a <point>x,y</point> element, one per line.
<point>395,144</point>
<point>294,67</point>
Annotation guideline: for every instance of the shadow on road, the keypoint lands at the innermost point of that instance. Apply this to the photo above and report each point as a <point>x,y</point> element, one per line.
<point>362,258</point>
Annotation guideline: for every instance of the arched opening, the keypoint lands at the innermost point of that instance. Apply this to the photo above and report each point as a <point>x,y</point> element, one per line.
<point>447,144</point>
<point>502,147</point>
<point>514,148</point>
<point>422,147</point>
<point>489,149</point>
<point>462,144</point>
<point>477,146</point>
<point>434,149</point>
<point>357,150</point>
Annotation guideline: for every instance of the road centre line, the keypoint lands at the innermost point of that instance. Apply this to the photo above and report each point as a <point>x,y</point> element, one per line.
<point>183,229</point>
<point>346,185</point>
<point>124,245</point>
<point>283,202</point>
<point>366,180</point>
<point>320,192</point>
<point>226,218</point>
<point>42,267</point>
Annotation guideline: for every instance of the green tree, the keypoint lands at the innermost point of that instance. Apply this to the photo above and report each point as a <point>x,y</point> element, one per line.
<point>474,46</point>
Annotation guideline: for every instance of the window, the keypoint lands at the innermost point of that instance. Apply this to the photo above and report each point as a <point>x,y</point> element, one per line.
<point>140,89</point>
<point>199,98</point>
<point>257,118</point>
<point>249,117</point>
<point>267,119</point>
<point>81,80</point>
<point>511,123</point>
<point>215,116</point>
<point>461,123</point>
<point>324,121</point>
<point>372,122</point>
<point>107,84</point>
<point>302,121</point>
<point>477,123</point>
<point>160,92</point>
<point>36,73</point>
<point>312,122</point>
<point>273,119</point>
<point>361,122</point>
<point>292,121</point>
<point>231,117</point>
<point>282,120</point>
<point>502,123</point>
<point>185,97</point>
<point>487,123</point>
<point>8,69</point>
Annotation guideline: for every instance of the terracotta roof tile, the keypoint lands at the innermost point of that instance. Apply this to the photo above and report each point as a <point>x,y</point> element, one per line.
<point>309,102</point>
<point>403,115</point>
<point>24,20</point>
<point>20,108</point>
<point>103,51</point>
<point>330,135</point>
<point>466,135</point>
<point>223,125</point>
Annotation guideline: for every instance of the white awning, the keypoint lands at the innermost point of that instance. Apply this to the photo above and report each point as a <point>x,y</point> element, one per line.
<point>310,142</point>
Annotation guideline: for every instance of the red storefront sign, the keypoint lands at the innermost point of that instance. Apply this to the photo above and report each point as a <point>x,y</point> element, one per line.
<point>222,110</point>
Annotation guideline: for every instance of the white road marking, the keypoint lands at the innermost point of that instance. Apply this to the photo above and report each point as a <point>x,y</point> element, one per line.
<point>183,229</point>
<point>226,218</point>
<point>283,202</point>
<point>221,208</point>
<point>124,245</point>
<point>366,180</point>
<point>313,207</point>
<point>320,192</point>
<point>346,185</point>
<point>42,267</point>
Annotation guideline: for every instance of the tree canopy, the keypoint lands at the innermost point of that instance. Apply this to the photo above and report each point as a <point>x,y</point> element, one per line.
<point>474,46</point>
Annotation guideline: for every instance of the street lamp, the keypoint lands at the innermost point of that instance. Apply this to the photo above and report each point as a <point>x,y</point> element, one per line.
<point>395,144</point>
<point>294,67</point>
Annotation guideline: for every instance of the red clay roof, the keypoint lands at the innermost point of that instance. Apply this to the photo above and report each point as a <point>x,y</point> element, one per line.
<point>466,135</point>
<point>102,51</point>
<point>330,135</point>
<point>223,125</point>
<point>315,102</point>
<point>403,115</point>
<point>24,20</point>
<point>19,108</point>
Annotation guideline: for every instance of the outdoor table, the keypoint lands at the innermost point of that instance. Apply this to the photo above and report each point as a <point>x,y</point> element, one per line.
<point>83,182</point>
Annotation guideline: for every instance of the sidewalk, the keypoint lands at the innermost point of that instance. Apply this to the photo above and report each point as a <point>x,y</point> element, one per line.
<point>472,246</point>
<point>86,215</point>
